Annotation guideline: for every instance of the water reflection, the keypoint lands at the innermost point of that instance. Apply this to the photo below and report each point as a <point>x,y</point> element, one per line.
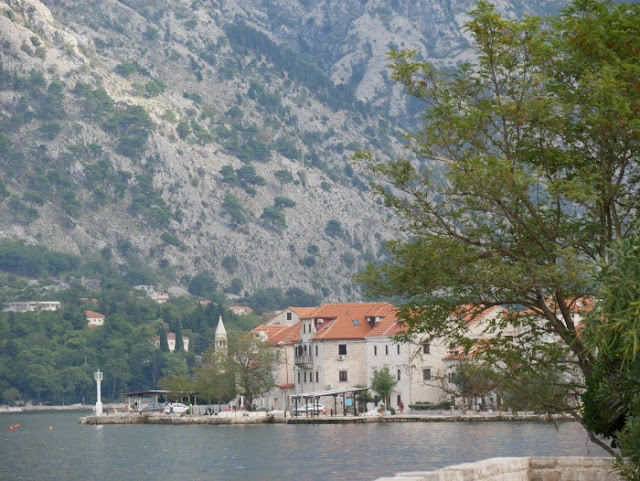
<point>344,452</point>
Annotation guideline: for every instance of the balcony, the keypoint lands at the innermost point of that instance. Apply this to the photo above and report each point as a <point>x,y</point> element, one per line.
<point>304,360</point>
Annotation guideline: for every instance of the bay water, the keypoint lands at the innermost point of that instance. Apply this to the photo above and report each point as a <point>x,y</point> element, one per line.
<point>70,451</point>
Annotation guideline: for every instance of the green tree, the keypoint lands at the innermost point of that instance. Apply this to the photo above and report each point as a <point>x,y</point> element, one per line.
<point>272,216</point>
<point>10,396</point>
<point>383,383</point>
<point>232,207</point>
<point>229,264</point>
<point>534,149</point>
<point>215,380</point>
<point>612,400</point>
<point>474,380</point>
<point>280,203</point>
<point>253,364</point>
<point>179,386</point>
<point>334,229</point>
<point>203,284</point>
<point>283,176</point>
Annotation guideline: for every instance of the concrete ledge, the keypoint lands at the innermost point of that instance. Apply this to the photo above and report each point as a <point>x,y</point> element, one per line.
<point>126,418</point>
<point>520,469</point>
<point>278,417</point>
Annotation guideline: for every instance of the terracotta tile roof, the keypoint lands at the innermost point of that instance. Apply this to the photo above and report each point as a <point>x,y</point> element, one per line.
<point>280,335</point>
<point>288,335</point>
<point>304,312</point>
<point>94,315</point>
<point>351,321</point>
<point>287,385</point>
<point>471,314</point>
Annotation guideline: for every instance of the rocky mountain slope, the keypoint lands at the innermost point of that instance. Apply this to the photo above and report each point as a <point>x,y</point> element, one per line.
<point>174,138</point>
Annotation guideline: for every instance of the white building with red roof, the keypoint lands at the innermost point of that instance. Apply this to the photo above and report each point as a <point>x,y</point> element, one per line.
<point>339,346</point>
<point>94,319</point>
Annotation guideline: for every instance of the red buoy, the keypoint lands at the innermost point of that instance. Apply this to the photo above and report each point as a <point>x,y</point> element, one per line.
<point>16,426</point>
<point>50,428</point>
<point>10,428</point>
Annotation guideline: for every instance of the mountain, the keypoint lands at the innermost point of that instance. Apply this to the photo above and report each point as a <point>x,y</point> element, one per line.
<point>172,140</point>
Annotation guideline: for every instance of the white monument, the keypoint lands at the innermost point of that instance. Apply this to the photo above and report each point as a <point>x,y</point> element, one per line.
<point>98,378</point>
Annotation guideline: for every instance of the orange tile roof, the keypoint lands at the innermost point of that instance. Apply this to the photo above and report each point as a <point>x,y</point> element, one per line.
<point>93,315</point>
<point>304,312</point>
<point>338,320</point>
<point>280,335</point>
<point>288,335</point>
<point>472,313</point>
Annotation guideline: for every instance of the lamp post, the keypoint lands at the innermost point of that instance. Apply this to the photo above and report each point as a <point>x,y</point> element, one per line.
<point>97,376</point>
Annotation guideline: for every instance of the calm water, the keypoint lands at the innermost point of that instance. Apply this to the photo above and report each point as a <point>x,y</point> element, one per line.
<point>75,452</point>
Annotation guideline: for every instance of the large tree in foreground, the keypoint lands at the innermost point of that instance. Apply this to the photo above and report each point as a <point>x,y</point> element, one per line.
<point>533,149</point>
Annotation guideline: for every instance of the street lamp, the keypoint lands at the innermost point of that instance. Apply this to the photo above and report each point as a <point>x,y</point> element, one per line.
<point>97,376</point>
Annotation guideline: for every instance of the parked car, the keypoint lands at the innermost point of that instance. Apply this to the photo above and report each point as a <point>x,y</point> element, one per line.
<point>153,408</point>
<point>315,408</point>
<point>176,408</point>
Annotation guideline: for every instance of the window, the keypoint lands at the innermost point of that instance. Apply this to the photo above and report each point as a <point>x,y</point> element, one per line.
<point>451,377</point>
<point>298,377</point>
<point>317,377</point>
<point>288,316</point>
<point>426,374</point>
<point>304,328</point>
<point>355,322</point>
<point>342,349</point>
<point>399,374</point>
<point>316,350</point>
<point>426,348</point>
<point>399,400</point>
<point>342,376</point>
<point>386,350</point>
<point>398,346</point>
<point>305,376</point>
<point>375,350</point>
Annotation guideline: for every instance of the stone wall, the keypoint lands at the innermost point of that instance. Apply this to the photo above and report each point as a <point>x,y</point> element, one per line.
<point>520,469</point>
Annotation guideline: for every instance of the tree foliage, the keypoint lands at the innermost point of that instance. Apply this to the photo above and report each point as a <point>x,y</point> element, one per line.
<point>253,363</point>
<point>383,383</point>
<point>533,151</point>
<point>612,399</point>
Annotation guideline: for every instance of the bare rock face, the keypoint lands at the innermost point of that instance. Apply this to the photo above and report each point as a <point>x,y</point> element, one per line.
<point>264,122</point>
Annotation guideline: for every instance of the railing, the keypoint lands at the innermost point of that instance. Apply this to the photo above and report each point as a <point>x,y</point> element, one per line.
<point>302,360</point>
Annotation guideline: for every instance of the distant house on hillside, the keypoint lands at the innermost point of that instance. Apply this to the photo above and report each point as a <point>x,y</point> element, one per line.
<point>94,319</point>
<point>241,310</point>
<point>171,342</point>
<point>30,306</point>
<point>154,294</point>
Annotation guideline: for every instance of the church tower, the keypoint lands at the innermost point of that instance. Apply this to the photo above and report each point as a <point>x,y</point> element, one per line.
<point>221,337</point>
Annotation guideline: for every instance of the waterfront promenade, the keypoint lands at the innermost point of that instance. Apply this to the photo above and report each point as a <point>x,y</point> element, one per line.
<point>227,418</point>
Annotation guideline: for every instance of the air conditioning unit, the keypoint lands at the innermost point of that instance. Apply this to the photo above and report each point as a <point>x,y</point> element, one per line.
<point>340,357</point>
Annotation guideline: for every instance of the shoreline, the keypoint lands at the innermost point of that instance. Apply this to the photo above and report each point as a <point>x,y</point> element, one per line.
<point>234,418</point>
